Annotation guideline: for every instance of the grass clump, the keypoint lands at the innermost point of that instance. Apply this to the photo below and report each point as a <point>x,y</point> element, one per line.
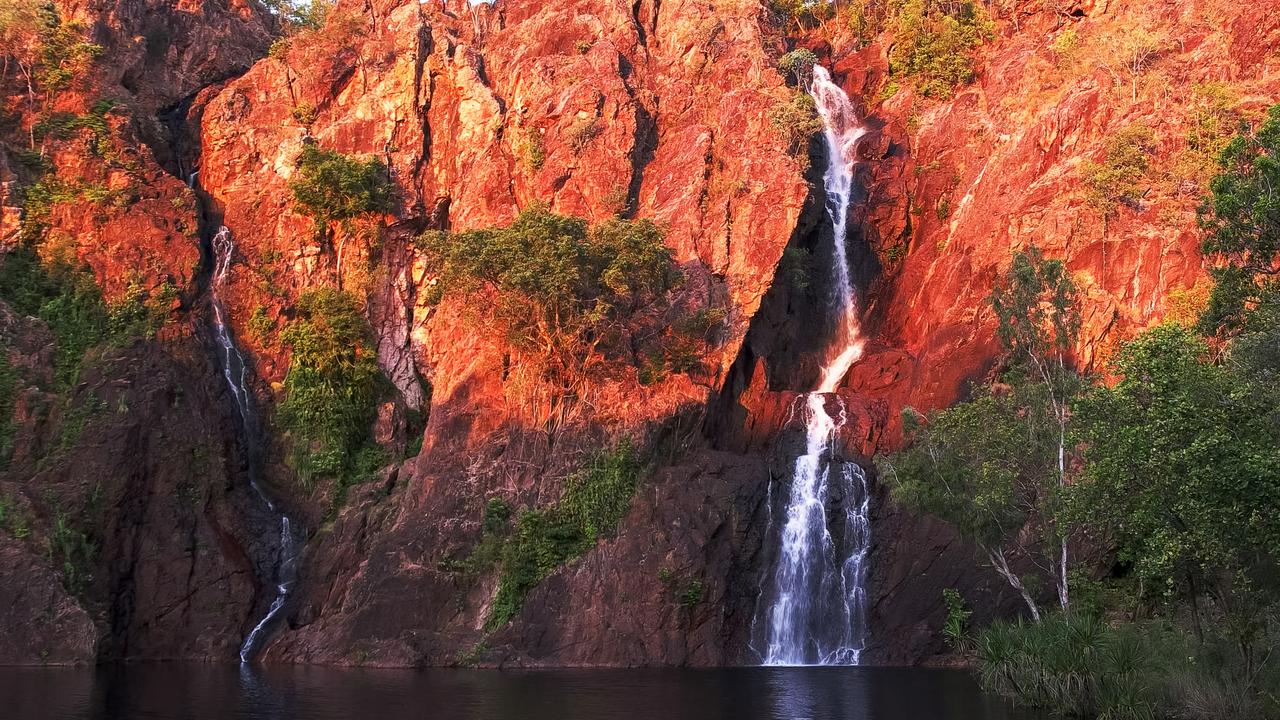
<point>532,149</point>
<point>1074,664</point>
<point>594,501</point>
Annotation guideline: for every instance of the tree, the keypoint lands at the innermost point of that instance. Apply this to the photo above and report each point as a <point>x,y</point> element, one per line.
<point>50,55</point>
<point>981,467</point>
<point>934,41</point>
<point>570,295</point>
<point>1130,52</point>
<point>1039,320</point>
<point>997,463</point>
<point>331,186</point>
<point>1241,219</point>
<point>1183,471</point>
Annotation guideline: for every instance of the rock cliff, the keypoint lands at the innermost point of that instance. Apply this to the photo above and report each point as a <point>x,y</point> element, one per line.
<point>655,110</point>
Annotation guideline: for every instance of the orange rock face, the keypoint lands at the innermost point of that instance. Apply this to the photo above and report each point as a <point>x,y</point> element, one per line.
<point>652,110</point>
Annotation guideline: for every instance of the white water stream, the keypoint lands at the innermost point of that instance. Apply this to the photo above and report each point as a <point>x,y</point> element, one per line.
<point>234,372</point>
<point>815,602</point>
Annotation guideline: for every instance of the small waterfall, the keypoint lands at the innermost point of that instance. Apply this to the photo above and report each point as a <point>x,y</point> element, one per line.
<point>235,373</point>
<point>815,603</point>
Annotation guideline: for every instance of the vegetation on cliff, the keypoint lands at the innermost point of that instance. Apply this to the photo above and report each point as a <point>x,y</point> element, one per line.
<point>1172,472</point>
<point>332,187</point>
<point>529,545</point>
<point>573,298</point>
<point>331,389</point>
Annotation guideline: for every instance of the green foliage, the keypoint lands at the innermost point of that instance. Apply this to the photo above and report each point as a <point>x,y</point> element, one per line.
<point>331,388</point>
<point>9,386</point>
<point>994,464</point>
<point>497,513</point>
<point>955,627</point>
<point>598,495</point>
<point>798,64</point>
<point>331,186</point>
<point>66,299</point>
<point>1118,180</point>
<point>1037,306</point>
<point>1183,467</point>
<point>65,125</point>
<point>1065,46</point>
<point>296,15</point>
<point>801,12</point>
<point>796,121</point>
<point>934,43</point>
<point>532,149</point>
<point>691,594</point>
<point>139,313</point>
<point>261,326</point>
<point>63,56</point>
<point>1213,121</point>
<point>304,114</point>
<point>796,268</point>
<point>1074,665</point>
<point>1241,220</point>
<point>594,501</point>
<point>977,465</point>
<point>73,552</point>
<point>569,295</point>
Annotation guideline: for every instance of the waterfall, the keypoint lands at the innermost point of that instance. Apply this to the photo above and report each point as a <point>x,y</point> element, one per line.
<point>815,603</point>
<point>235,373</point>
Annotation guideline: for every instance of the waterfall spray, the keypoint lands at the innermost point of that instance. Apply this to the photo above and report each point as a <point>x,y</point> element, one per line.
<point>815,603</point>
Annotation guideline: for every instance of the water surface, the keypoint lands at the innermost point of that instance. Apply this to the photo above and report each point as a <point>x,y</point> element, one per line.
<point>227,692</point>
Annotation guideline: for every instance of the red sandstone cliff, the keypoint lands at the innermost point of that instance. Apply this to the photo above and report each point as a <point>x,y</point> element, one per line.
<point>655,110</point>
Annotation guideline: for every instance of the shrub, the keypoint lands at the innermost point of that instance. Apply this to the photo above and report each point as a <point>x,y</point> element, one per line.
<point>797,121</point>
<point>800,12</point>
<point>296,15</point>
<point>532,149</point>
<point>331,186</point>
<point>65,298</point>
<point>691,595</point>
<point>866,18</point>
<point>9,386</point>
<point>571,296</point>
<point>261,326</point>
<point>304,114</point>
<point>581,132</point>
<point>798,64</point>
<point>1076,665</point>
<point>71,549</point>
<point>934,42</point>
<point>141,314</point>
<point>955,627</point>
<point>331,387</point>
<point>1118,178</point>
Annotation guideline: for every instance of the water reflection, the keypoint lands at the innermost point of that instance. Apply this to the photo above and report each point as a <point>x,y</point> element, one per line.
<point>199,692</point>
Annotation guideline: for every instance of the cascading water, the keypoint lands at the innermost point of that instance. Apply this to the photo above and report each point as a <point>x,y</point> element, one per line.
<point>234,372</point>
<point>814,606</point>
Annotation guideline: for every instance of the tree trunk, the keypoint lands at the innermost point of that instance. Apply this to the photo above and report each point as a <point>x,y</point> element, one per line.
<point>1001,565</point>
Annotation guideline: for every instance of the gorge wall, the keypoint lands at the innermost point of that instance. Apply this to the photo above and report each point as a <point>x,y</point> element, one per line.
<point>654,110</point>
